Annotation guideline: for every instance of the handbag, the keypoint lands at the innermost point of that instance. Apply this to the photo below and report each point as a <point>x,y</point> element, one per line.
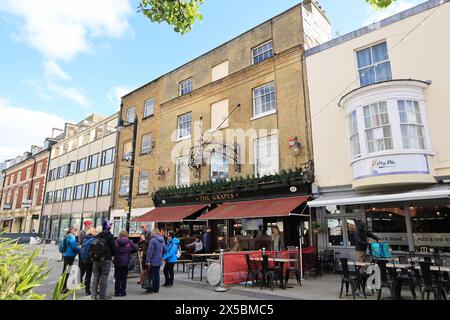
<point>385,250</point>
<point>375,248</point>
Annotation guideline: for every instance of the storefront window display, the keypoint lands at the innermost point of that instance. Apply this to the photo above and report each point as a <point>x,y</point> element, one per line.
<point>54,234</point>
<point>335,232</point>
<point>64,226</point>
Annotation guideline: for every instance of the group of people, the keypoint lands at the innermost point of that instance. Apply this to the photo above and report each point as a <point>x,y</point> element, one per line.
<point>98,251</point>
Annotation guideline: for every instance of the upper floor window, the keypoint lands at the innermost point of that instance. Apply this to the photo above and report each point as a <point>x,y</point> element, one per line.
<point>355,147</point>
<point>49,197</point>
<point>185,87</point>
<point>71,168</point>
<point>131,114</point>
<point>262,52</point>
<point>219,165</point>
<point>78,192</point>
<point>146,144</point>
<point>264,99</point>
<point>104,187</point>
<point>93,161</point>
<point>149,108</point>
<point>143,182</point>
<point>81,165</point>
<point>373,64</point>
<point>182,175</point>
<point>378,129</point>
<point>184,125</point>
<point>89,191</point>
<point>39,169</point>
<point>266,155</point>
<point>57,196</point>
<point>127,150</point>
<point>124,185</point>
<point>67,194</point>
<point>28,173</point>
<point>108,156</point>
<point>411,124</point>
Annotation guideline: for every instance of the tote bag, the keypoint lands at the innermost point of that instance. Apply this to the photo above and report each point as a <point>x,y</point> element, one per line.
<point>375,247</point>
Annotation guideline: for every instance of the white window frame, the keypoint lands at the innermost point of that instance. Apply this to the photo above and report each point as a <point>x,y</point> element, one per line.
<point>373,65</point>
<point>129,120</point>
<point>354,137</point>
<point>148,106</point>
<point>178,178</point>
<point>184,133</point>
<point>186,86</point>
<point>380,126</point>
<point>122,185</point>
<point>88,190</point>
<point>259,98</point>
<point>101,185</point>
<point>217,155</point>
<point>274,159</point>
<point>140,182</point>
<point>264,53</point>
<point>127,155</point>
<point>417,124</point>
<point>81,190</point>
<point>147,149</point>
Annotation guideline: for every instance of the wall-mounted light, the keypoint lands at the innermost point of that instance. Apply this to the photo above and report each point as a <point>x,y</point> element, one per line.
<point>295,146</point>
<point>161,173</point>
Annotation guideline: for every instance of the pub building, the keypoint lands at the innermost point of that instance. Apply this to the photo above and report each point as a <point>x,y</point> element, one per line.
<point>246,208</point>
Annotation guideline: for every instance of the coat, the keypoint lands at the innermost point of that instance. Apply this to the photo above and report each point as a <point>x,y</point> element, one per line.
<point>123,248</point>
<point>108,236</point>
<point>172,248</point>
<point>361,237</point>
<point>72,248</point>
<point>156,249</point>
<point>207,242</point>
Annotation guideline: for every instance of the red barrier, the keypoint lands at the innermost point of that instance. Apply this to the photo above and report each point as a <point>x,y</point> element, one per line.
<point>235,266</point>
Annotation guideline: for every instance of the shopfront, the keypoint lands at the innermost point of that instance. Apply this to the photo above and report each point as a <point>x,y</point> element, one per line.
<point>409,221</point>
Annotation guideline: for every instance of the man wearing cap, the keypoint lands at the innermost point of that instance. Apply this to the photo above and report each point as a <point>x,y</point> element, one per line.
<point>81,235</point>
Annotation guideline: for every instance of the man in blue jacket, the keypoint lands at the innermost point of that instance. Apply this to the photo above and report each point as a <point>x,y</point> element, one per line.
<point>156,249</point>
<point>70,252</point>
<point>170,258</point>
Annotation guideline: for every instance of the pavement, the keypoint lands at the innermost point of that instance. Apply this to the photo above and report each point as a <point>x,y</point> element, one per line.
<point>326,287</point>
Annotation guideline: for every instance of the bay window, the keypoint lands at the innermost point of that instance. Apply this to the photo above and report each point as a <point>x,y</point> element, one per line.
<point>411,124</point>
<point>378,130</point>
<point>355,147</point>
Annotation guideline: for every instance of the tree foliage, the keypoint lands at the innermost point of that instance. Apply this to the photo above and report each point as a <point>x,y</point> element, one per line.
<point>181,14</point>
<point>19,274</point>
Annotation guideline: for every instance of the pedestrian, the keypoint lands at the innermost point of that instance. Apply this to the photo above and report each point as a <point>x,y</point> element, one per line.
<point>123,248</point>
<point>156,249</point>
<point>143,244</point>
<point>277,240</point>
<point>86,262</point>
<point>102,252</point>
<point>237,244</point>
<point>207,241</point>
<point>361,243</point>
<point>170,258</point>
<point>81,235</point>
<point>69,250</point>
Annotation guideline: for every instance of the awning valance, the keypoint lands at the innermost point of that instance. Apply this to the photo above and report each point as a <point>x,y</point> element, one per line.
<point>414,195</point>
<point>279,207</point>
<point>170,214</point>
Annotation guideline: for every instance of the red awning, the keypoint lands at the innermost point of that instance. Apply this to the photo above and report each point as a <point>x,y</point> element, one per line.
<point>170,214</point>
<point>280,207</point>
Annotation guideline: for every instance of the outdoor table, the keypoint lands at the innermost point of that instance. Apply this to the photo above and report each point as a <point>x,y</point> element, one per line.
<point>281,261</point>
<point>202,256</point>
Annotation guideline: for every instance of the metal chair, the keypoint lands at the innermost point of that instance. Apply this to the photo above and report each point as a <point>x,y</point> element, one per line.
<point>252,270</point>
<point>386,282</point>
<point>349,278</point>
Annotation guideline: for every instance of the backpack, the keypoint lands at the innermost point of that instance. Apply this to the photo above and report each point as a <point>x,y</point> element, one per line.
<point>98,250</point>
<point>85,250</point>
<point>62,245</point>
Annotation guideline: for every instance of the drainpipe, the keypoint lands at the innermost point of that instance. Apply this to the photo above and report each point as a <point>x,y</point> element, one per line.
<point>43,232</point>
<point>3,186</point>
<point>409,230</point>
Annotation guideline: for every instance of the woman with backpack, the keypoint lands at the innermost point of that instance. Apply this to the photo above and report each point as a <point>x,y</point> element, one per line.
<point>171,257</point>
<point>123,248</point>
<point>69,248</point>
<point>86,261</point>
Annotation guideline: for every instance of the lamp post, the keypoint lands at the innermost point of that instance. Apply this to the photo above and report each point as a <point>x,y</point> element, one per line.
<point>125,124</point>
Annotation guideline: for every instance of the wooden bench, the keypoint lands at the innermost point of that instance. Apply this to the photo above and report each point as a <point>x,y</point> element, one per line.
<point>184,262</point>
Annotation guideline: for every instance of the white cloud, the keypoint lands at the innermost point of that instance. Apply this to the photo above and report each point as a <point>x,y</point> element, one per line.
<point>20,128</point>
<point>70,93</point>
<point>62,29</point>
<point>115,94</point>
<point>52,69</point>
<point>396,7</point>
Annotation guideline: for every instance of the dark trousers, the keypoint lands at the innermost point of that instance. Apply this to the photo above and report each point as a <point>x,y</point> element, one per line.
<point>168,273</point>
<point>68,261</point>
<point>120,275</point>
<point>86,268</point>
<point>82,269</point>
<point>100,271</point>
<point>154,278</point>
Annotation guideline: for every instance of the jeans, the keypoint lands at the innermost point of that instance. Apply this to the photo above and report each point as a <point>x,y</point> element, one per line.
<point>68,261</point>
<point>101,272</point>
<point>120,275</point>
<point>168,273</point>
<point>155,278</point>
<point>82,269</point>
<point>86,268</point>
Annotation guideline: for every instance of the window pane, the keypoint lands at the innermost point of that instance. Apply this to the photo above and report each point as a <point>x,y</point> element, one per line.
<point>380,52</point>
<point>264,99</point>
<point>146,143</point>
<point>364,58</point>
<point>367,76</point>
<point>335,232</point>
<point>383,72</point>
<point>149,108</point>
<point>262,52</point>
<point>143,182</point>
<point>219,166</point>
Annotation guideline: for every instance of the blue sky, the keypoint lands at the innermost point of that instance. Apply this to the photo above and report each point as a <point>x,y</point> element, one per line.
<point>66,59</point>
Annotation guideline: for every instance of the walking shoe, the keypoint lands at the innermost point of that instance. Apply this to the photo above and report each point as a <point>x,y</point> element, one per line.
<point>87,293</point>
<point>124,294</point>
<point>117,294</point>
<point>149,291</point>
<point>166,285</point>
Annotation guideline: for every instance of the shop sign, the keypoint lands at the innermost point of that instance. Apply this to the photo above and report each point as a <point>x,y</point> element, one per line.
<point>420,239</point>
<point>217,197</point>
<point>390,165</point>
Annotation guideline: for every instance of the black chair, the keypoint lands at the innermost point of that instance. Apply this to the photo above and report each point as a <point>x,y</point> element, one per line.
<point>405,277</point>
<point>311,264</point>
<point>269,275</point>
<point>349,278</point>
<point>328,258</point>
<point>431,283</point>
<point>294,268</point>
<point>386,279</point>
<point>252,270</point>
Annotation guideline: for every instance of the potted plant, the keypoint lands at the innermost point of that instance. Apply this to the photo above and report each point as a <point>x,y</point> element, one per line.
<point>316,227</point>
